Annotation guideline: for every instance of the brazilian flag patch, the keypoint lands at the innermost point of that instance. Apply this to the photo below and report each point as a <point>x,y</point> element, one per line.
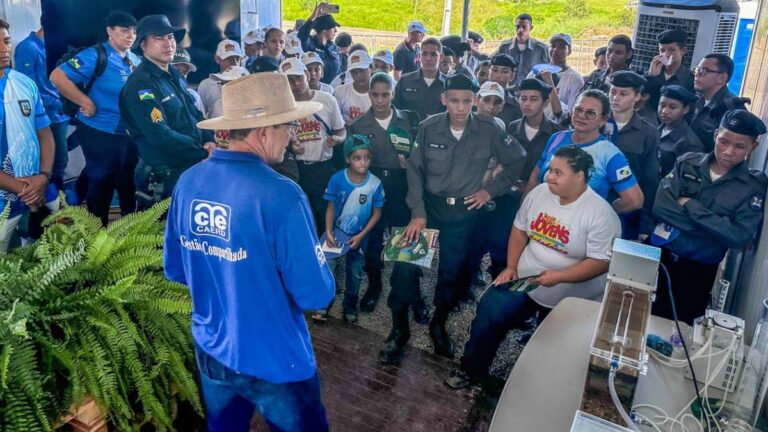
<point>74,62</point>
<point>146,95</point>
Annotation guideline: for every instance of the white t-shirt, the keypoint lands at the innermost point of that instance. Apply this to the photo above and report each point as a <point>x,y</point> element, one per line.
<point>568,87</point>
<point>351,103</point>
<point>621,125</point>
<point>530,132</point>
<point>714,176</point>
<point>429,81</point>
<point>326,88</point>
<point>563,235</point>
<point>522,47</point>
<point>457,133</point>
<point>337,81</point>
<point>313,133</point>
<point>209,91</point>
<point>385,123</point>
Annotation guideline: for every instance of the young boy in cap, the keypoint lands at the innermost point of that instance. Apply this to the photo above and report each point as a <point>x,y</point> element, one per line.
<point>355,198</point>
<point>490,100</point>
<point>353,97</point>
<point>407,53</point>
<point>316,138</point>
<point>639,142</point>
<point>675,136</point>
<point>668,65</point>
<point>383,62</point>
<point>709,203</point>
<point>474,40</point>
<point>228,54</point>
<point>459,48</point>
<point>570,80</point>
<point>503,68</point>
<point>314,65</point>
<point>253,44</point>
<point>292,46</point>
<point>344,42</point>
<point>446,63</point>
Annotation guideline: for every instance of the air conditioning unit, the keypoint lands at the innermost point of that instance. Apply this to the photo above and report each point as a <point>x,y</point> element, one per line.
<point>710,24</point>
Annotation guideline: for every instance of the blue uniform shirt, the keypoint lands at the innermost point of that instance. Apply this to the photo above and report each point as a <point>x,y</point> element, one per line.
<point>105,92</point>
<point>242,238</point>
<point>22,110</point>
<point>611,166</point>
<point>353,203</point>
<point>29,59</point>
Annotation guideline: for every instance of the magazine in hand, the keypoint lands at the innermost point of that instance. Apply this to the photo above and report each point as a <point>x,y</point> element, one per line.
<point>420,252</point>
<point>341,247</point>
<point>522,285</point>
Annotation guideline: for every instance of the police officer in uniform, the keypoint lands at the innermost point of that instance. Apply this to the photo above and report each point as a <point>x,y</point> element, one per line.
<point>160,113</point>
<point>709,203</point>
<point>711,78</point>
<point>420,91</point>
<point>445,191</point>
<point>675,136</point>
<point>639,142</point>
<point>391,133</point>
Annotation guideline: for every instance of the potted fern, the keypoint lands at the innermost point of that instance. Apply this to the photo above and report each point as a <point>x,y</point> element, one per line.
<point>86,311</point>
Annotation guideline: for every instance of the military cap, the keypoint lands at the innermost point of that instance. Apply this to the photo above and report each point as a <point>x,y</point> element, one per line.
<point>447,51</point>
<point>476,37</point>
<point>672,36</point>
<point>678,92</point>
<point>504,60</point>
<point>627,78</point>
<point>743,122</point>
<point>460,82</point>
<point>535,84</point>
<point>456,44</point>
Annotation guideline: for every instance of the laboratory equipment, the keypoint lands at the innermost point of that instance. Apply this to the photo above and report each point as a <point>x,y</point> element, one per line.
<point>618,351</point>
<point>717,336</point>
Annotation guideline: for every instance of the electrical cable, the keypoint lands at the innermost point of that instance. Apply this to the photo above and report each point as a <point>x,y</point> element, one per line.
<point>680,333</point>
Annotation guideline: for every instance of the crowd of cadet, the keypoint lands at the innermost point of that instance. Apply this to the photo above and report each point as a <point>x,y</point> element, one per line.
<point>513,154</point>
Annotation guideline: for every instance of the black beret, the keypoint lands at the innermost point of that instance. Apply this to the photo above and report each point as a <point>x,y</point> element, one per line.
<point>504,60</point>
<point>672,36</point>
<point>447,51</point>
<point>264,64</point>
<point>476,37</point>
<point>456,44</point>
<point>460,82</point>
<point>535,84</point>
<point>678,92</point>
<point>743,122</point>
<point>325,22</point>
<point>627,78</point>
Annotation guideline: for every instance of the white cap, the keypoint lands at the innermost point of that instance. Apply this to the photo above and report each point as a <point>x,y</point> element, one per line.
<point>228,48</point>
<point>417,26</point>
<point>253,36</point>
<point>359,60</point>
<point>293,44</point>
<point>293,66</point>
<point>310,57</point>
<point>231,73</point>
<point>491,88</point>
<point>385,56</point>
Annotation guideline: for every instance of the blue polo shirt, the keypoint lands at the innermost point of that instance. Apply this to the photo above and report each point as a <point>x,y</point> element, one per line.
<point>611,170</point>
<point>242,238</point>
<point>105,92</point>
<point>29,59</point>
<point>37,120</point>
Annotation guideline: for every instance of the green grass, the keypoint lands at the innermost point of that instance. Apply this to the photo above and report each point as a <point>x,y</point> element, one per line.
<point>492,18</point>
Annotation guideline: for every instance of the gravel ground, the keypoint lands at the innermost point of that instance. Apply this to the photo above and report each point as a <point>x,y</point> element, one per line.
<point>380,320</point>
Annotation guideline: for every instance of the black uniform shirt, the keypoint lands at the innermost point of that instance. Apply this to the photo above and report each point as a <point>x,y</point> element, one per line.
<point>413,94</point>
<point>706,118</point>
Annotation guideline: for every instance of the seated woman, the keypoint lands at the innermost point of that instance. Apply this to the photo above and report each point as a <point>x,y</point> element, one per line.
<point>561,236</point>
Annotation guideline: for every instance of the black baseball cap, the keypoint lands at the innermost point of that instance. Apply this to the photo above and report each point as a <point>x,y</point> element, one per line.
<point>325,22</point>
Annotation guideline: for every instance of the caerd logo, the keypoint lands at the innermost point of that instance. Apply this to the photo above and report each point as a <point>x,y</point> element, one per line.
<point>210,219</point>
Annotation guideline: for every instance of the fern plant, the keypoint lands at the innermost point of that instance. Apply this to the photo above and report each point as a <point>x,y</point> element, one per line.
<point>86,310</point>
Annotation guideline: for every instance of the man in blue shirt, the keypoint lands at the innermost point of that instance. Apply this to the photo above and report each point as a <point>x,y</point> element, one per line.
<point>26,145</point>
<point>242,237</point>
<point>29,59</point>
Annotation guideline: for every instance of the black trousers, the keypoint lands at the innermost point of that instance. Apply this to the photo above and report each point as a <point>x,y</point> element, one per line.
<point>313,179</point>
<point>394,214</point>
<point>110,162</point>
<point>456,226</point>
<point>692,283</point>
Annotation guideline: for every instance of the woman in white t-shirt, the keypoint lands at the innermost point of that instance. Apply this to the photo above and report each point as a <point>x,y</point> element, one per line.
<point>561,237</point>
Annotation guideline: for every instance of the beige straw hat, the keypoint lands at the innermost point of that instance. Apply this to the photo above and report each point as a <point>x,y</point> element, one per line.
<point>258,100</point>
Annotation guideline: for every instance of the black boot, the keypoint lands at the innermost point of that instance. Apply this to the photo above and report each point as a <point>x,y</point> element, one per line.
<point>372,294</point>
<point>394,348</point>
<point>440,338</point>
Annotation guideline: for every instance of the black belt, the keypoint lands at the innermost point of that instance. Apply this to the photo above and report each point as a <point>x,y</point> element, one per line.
<point>384,172</point>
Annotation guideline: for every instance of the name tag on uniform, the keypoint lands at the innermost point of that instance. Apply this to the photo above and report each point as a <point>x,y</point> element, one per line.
<point>167,98</point>
<point>689,176</point>
<point>411,90</point>
<point>663,234</point>
<point>437,146</point>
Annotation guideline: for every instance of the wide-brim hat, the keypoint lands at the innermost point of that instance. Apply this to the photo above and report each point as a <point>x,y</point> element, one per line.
<point>157,25</point>
<point>258,100</point>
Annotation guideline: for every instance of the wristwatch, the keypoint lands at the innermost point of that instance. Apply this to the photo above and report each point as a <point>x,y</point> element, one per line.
<point>46,174</point>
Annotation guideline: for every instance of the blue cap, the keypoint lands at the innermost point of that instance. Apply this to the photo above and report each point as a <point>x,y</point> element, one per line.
<point>384,55</point>
<point>157,25</point>
<point>417,26</point>
<point>563,37</point>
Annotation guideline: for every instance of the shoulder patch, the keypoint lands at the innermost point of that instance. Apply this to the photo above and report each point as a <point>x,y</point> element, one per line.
<point>623,173</point>
<point>156,116</point>
<point>74,62</point>
<point>756,203</point>
<point>146,94</point>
